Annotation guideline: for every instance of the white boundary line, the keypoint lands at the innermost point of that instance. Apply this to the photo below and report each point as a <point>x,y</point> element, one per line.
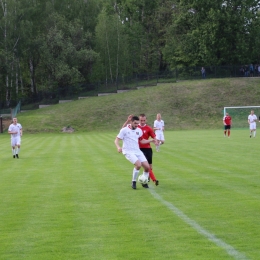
<point>211,237</point>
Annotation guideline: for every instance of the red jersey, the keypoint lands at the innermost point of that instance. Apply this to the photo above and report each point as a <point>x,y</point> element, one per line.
<point>147,133</point>
<point>227,120</point>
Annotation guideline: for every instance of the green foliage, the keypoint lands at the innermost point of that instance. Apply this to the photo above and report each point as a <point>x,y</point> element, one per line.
<point>211,33</point>
<point>60,43</point>
<point>195,104</point>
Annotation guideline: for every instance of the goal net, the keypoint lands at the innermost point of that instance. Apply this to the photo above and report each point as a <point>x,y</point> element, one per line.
<point>240,115</point>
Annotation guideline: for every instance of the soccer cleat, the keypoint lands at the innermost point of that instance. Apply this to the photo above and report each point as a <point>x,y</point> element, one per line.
<point>17,156</point>
<point>156,182</point>
<point>134,185</point>
<point>250,136</point>
<point>145,185</point>
<point>13,156</point>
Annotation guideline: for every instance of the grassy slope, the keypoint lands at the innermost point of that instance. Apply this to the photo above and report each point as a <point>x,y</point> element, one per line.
<point>184,105</point>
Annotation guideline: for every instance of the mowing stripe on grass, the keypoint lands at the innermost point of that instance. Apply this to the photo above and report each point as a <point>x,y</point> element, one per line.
<point>211,237</point>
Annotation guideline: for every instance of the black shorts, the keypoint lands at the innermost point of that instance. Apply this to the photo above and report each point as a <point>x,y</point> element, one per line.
<point>148,153</point>
<point>227,127</point>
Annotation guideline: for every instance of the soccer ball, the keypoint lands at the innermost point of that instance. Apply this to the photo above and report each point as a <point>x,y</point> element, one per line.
<point>142,179</point>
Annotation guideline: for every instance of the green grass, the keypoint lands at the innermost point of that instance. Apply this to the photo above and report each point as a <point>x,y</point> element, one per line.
<point>194,104</point>
<point>69,197</point>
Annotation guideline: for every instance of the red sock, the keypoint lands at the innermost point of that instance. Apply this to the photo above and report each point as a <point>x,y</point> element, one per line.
<point>152,175</point>
<point>228,133</point>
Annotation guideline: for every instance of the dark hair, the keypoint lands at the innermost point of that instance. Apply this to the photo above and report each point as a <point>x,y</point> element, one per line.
<point>135,118</point>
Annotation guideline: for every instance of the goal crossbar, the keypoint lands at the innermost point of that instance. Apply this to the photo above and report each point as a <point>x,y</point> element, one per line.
<point>225,108</point>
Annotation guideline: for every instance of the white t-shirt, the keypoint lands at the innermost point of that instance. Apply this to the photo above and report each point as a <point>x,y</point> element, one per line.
<point>130,139</point>
<point>158,124</point>
<point>15,128</point>
<point>252,118</point>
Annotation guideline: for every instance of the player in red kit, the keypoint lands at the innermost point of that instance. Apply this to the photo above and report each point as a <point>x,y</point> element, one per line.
<point>146,148</point>
<point>227,121</point>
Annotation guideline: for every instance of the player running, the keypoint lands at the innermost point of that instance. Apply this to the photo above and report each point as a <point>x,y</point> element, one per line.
<point>16,131</point>
<point>145,148</point>
<point>227,121</point>
<point>252,118</point>
<point>130,135</point>
<point>158,127</point>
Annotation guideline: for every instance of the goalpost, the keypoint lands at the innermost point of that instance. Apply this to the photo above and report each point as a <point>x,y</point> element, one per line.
<point>240,114</point>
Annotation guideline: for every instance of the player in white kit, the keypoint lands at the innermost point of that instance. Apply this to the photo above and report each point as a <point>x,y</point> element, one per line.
<point>16,132</point>
<point>252,118</point>
<point>158,127</point>
<point>130,135</point>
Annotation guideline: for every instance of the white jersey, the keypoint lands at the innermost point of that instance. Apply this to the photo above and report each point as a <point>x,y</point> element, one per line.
<point>252,118</point>
<point>130,139</point>
<point>15,128</point>
<point>158,124</point>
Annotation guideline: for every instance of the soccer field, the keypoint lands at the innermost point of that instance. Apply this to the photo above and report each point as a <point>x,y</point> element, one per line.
<point>69,196</point>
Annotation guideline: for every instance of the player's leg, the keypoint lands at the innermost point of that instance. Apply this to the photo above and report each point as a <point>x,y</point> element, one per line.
<point>134,160</point>
<point>145,166</point>
<point>18,145</point>
<point>161,140</point>
<point>229,131</point>
<point>158,144</point>
<point>254,132</point>
<point>149,157</point>
<point>13,146</point>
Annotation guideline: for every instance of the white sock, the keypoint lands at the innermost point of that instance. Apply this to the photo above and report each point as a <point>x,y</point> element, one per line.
<point>254,133</point>
<point>13,151</point>
<point>17,150</point>
<point>146,174</point>
<point>135,174</point>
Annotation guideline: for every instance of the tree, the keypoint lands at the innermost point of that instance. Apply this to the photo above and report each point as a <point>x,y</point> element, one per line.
<point>209,33</point>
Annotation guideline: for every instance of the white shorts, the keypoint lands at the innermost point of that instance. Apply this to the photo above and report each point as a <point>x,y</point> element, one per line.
<point>252,126</point>
<point>15,141</point>
<point>133,157</point>
<point>159,135</point>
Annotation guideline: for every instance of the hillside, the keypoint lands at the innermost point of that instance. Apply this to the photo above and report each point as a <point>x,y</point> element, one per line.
<point>185,105</point>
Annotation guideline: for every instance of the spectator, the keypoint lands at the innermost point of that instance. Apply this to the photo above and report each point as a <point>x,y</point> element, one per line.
<point>203,72</point>
<point>241,71</point>
<point>246,70</point>
<point>251,70</point>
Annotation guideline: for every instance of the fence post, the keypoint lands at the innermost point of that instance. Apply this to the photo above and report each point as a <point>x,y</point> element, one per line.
<point>1,124</point>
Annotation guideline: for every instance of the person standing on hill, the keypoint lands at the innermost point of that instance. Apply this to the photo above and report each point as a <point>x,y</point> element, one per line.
<point>16,132</point>
<point>131,135</point>
<point>158,127</point>
<point>145,148</point>
<point>252,118</point>
<point>227,121</point>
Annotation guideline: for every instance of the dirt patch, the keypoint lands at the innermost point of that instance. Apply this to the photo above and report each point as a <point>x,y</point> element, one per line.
<point>67,129</point>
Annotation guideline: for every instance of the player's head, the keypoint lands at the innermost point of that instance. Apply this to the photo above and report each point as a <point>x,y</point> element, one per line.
<point>142,118</point>
<point>227,114</point>
<point>252,112</point>
<point>158,117</point>
<point>14,120</point>
<point>134,122</point>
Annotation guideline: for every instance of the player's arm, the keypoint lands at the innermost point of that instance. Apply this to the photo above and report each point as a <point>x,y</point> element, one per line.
<point>127,121</point>
<point>21,132</point>
<point>119,149</point>
<point>224,121</point>
<point>146,141</point>
<point>11,132</point>
<point>156,128</point>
